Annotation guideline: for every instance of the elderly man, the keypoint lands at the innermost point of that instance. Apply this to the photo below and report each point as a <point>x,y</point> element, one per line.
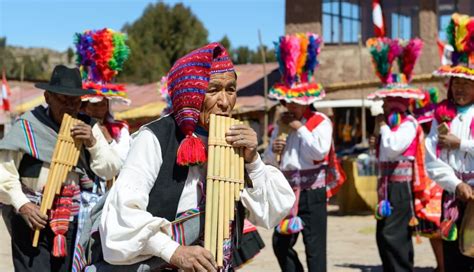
<point>162,177</point>
<point>25,156</point>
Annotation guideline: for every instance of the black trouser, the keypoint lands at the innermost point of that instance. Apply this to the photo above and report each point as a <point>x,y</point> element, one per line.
<point>394,239</point>
<point>312,209</point>
<point>454,260</point>
<point>28,258</point>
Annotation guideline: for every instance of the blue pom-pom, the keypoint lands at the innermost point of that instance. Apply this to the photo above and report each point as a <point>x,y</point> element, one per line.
<point>383,209</point>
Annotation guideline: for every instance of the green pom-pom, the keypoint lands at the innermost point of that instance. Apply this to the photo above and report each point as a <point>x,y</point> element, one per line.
<point>450,31</point>
<point>121,52</point>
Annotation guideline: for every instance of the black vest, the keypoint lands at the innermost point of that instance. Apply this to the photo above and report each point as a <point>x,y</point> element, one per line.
<point>166,192</point>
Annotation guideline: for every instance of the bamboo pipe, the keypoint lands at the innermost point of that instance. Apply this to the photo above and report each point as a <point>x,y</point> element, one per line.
<point>226,180</point>
<point>209,185</point>
<point>220,228</point>
<point>215,194</point>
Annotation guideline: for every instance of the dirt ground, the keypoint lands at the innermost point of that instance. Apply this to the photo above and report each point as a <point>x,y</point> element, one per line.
<point>351,247</point>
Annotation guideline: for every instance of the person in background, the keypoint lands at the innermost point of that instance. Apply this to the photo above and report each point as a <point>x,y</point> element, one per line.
<point>450,155</point>
<point>301,147</point>
<point>25,158</point>
<point>402,173</point>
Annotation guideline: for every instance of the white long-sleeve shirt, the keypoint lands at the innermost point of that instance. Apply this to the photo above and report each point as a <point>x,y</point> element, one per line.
<point>122,144</point>
<point>130,234</point>
<point>104,162</point>
<point>443,169</point>
<point>303,147</point>
<point>394,143</point>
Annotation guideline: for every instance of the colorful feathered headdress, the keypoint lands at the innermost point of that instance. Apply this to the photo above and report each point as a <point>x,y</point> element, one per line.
<point>460,32</point>
<point>297,57</point>
<point>384,52</point>
<point>100,55</point>
<point>423,109</point>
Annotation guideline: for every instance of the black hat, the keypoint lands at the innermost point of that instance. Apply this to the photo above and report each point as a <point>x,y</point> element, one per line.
<point>65,81</point>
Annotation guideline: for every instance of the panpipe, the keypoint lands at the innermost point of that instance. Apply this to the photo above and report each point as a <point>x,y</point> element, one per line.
<point>225,180</point>
<point>65,156</point>
<point>283,131</point>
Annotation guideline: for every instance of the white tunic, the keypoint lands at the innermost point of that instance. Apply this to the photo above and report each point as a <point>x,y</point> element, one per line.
<point>443,169</point>
<point>303,147</point>
<point>122,144</point>
<point>130,234</point>
<point>104,162</point>
<point>394,143</point>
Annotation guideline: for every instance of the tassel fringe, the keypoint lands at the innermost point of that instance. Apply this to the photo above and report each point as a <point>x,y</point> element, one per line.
<point>59,246</point>
<point>191,151</point>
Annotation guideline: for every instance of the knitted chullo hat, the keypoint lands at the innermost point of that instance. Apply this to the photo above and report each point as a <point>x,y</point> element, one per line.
<point>188,82</point>
<point>384,52</point>
<point>460,32</point>
<point>297,57</point>
<point>100,55</point>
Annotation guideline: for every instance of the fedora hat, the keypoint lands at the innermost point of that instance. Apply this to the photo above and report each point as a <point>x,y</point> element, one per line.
<point>66,81</point>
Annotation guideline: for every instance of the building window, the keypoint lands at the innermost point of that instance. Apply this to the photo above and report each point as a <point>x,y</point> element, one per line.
<point>445,9</point>
<point>401,19</point>
<point>401,26</point>
<point>341,21</point>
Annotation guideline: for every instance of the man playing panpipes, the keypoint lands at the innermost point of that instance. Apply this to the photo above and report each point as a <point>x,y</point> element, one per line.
<point>25,156</point>
<point>450,146</point>
<point>163,176</point>
<point>301,145</point>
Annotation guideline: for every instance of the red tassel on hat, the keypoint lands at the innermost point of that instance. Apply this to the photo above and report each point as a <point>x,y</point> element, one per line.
<point>191,151</point>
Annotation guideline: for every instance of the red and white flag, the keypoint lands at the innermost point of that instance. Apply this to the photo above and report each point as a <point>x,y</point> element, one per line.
<point>377,17</point>
<point>445,51</point>
<point>4,101</point>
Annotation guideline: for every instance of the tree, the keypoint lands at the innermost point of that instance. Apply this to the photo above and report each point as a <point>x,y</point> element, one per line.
<point>158,38</point>
<point>242,55</point>
<point>70,55</point>
<point>226,43</point>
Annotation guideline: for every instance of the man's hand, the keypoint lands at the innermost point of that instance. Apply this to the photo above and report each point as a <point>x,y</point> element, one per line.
<point>83,132</point>
<point>246,137</point>
<point>464,192</point>
<point>32,215</point>
<point>193,258</point>
<point>449,141</point>
<point>290,119</point>
<point>278,145</point>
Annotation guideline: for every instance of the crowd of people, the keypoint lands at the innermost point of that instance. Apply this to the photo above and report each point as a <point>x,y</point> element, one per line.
<point>133,202</point>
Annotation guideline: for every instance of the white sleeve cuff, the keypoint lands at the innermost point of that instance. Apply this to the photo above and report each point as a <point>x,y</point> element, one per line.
<point>161,245</point>
<point>385,129</point>
<point>18,200</point>
<point>465,145</point>
<point>453,185</point>
<point>255,169</point>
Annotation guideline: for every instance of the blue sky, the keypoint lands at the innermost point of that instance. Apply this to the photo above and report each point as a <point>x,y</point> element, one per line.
<point>52,23</point>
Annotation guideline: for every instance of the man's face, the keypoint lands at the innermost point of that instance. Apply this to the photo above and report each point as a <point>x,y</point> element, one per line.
<point>296,109</point>
<point>60,104</point>
<point>97,110</point>
<point>463,91</point>
<point>220,97</point>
